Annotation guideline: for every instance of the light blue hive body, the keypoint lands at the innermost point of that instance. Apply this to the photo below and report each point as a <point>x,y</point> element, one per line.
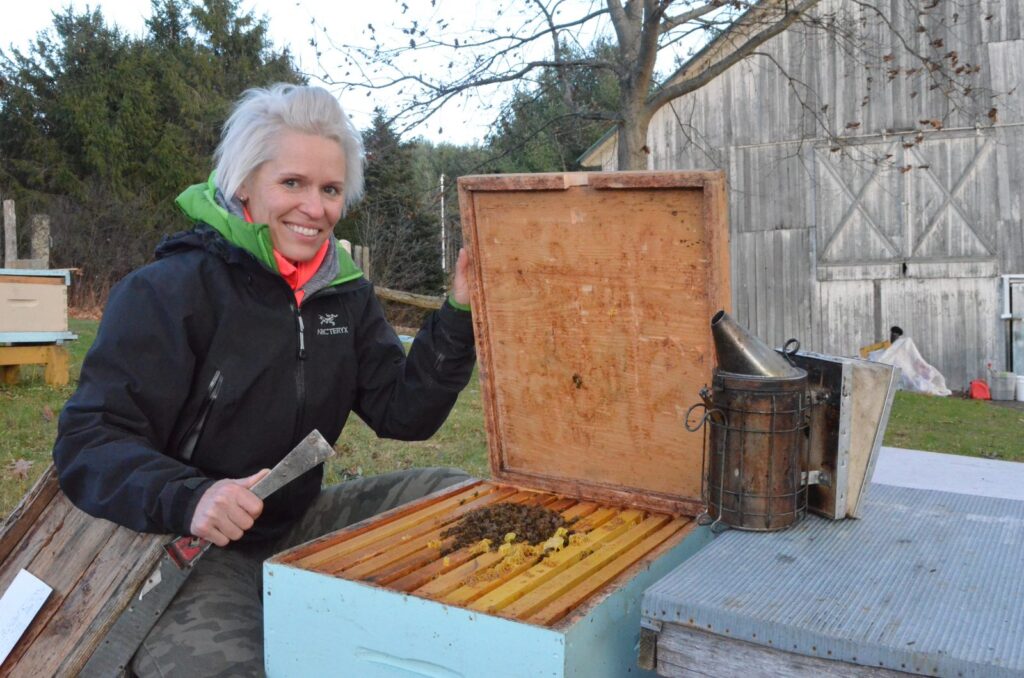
<point>320,625</point>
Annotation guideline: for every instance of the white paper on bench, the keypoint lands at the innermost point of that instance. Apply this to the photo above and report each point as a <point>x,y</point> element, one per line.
<point>18,607</point>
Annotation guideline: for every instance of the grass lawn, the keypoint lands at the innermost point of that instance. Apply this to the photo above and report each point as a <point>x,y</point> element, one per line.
<point>29,410</point>
<point>975,428</point>
<point>28,420</point>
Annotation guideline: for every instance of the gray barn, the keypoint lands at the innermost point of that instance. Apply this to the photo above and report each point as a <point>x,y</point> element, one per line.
<point>861,196</point>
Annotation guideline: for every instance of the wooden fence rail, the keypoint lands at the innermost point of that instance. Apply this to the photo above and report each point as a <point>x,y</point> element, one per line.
<point>361,258</point>
<point>418,300</point>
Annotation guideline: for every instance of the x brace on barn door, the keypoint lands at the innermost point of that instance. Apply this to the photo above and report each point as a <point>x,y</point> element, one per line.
<point>911,166</point>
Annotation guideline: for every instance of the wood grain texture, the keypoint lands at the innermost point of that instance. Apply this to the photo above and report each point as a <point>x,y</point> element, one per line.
<point>53,358</point>
<point>72,632</point>
<point>592,296</point>
<point>35,539</point>
<point>605,494</point>
<point>130,558</point>
<point>405,553</point>
<point>591,307</point>
<point>9,279</point>
<point>65,556</point>
<point>565,612</point>
<point>543,592</point>
<point>557,563</point>
<point>10,234</point>
<point>417,300</point>
<point>433,571</point>
<point>10,374</point>
<point>315,546</point>
<point>399,554</point>
<point>55,370</point>
<point>93,567</point>
<point>683,651</point>
<point>25,355</point>
<point>409,534</point>
<point>552,181</point>
<point>645,179</point>
<point>27,512</point>
<point>502,574</point>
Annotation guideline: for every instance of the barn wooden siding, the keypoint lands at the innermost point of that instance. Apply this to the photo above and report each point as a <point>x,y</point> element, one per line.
<point>883,220</point>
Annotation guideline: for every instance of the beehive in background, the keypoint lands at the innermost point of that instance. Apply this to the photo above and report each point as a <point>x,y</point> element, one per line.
<point>34,305</point>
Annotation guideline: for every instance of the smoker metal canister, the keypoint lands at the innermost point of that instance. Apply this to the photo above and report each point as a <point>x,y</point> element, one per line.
<point>757,450</point>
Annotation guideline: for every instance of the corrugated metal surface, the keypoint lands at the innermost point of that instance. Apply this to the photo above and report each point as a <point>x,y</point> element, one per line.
<point>927,582</point>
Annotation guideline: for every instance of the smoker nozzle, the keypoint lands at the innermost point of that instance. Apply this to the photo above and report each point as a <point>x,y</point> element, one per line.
<point>740,352</point>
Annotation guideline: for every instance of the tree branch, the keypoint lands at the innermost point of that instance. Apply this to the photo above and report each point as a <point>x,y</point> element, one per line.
<point>675,90</point>
<point>686,17</point>
<point>648,48</point>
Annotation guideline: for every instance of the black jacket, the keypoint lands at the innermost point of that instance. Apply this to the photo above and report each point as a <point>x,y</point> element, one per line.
<point>150,428</point>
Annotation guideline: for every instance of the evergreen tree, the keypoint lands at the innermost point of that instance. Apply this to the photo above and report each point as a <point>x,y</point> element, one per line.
<point>102,131</point>
<point>396,219</point>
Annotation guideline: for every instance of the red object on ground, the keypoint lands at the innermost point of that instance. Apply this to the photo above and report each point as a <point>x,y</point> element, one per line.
<point>979,390</point>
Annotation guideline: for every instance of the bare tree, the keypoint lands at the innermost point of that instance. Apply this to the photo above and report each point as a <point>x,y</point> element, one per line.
<point>433,65</point>
<point>384,239</point>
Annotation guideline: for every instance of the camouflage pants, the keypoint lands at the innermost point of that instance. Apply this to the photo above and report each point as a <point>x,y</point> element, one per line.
<point>214,626</point>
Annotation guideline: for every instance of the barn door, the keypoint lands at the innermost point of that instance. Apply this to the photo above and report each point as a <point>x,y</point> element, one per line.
<point>901,208</point>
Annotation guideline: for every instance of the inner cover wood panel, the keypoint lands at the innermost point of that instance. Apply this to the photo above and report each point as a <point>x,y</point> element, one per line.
<point>592,300</point>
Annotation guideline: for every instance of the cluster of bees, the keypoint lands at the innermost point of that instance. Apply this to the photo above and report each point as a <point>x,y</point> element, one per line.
<point>526,543</point>
<point>531,523</point>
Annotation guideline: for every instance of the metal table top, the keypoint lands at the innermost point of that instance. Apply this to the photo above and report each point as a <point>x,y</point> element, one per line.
<point>927,582</point>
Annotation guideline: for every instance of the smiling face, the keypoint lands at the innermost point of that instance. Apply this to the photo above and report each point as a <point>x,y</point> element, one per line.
<point>299,193</point>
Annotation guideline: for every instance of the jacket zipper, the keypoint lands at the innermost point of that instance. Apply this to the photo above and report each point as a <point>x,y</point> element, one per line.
<point>300,369</point>
<point>188,446</point>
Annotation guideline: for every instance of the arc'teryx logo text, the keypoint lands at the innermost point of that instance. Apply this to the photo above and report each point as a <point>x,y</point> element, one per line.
<point>328,319</point>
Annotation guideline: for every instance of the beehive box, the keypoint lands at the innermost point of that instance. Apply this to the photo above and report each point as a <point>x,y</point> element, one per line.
<point>33,305</point>
<point>592,295</point>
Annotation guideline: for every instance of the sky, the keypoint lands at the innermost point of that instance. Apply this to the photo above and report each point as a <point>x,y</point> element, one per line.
<point>290,24</point>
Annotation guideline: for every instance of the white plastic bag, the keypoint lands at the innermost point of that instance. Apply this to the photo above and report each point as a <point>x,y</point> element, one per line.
<point>915,374</point>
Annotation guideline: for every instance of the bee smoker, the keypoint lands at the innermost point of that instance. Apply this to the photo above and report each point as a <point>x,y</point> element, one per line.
<point>757,416</point>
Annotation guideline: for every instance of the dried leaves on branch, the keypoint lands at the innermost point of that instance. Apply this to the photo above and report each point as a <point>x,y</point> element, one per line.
<point>428,59</point>
<point>437,59</point>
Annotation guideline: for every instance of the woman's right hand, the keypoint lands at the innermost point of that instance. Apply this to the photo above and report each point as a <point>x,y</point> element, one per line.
<point>227,509</point>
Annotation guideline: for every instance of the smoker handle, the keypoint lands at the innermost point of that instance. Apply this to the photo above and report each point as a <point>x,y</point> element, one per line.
<point>790,352</point>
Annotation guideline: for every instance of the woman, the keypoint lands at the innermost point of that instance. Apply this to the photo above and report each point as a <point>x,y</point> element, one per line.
<point>212,362</point>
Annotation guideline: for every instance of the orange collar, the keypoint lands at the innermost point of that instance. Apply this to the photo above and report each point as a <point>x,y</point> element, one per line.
<point>296,274</point>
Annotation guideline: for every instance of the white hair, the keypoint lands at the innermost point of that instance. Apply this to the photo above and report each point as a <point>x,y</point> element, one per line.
<point>261,114</point>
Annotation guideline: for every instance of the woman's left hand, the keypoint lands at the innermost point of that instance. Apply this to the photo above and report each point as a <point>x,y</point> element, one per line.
<point>460,284</point>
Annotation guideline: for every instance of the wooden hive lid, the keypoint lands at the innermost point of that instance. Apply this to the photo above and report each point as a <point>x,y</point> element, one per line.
<point>592,299</point>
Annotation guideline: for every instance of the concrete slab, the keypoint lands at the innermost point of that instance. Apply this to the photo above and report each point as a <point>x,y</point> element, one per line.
<point>950,473</point>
